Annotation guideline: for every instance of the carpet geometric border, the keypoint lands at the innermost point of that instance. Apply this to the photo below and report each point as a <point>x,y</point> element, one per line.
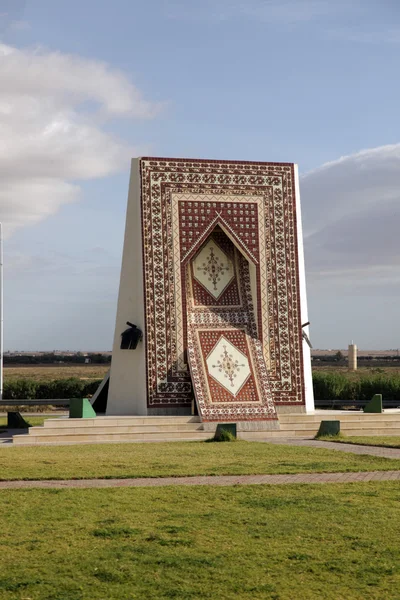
<point>169,189</point>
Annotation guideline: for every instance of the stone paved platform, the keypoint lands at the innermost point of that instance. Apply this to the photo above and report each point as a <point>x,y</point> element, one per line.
<point>223,480</point>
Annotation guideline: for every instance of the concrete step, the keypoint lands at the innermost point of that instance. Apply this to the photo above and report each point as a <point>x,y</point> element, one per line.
<point>370,430</point>
<point>346,428</point>
<point>343,424</point>
<point>265,435</point>
<point>162,428</point>
<point>148,429</point>
<point>350,432</point>
<point>356,432</point>
<point>358,416</point>
<point>119,421</point>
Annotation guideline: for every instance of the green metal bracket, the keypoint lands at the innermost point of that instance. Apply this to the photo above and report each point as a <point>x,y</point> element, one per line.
<point>225,428</point>
<point>374,405</point>
<point>328,428</point>
<point>80,408</point>
<point>16,421</point>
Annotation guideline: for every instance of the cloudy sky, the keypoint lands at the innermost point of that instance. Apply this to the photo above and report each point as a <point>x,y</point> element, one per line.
<point>85,85</point>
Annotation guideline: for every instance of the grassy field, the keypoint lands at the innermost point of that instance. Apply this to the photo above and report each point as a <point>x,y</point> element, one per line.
<point>326,542</point>
<point>89,372</point>
<point>177,459</point>
<point>46,373</point>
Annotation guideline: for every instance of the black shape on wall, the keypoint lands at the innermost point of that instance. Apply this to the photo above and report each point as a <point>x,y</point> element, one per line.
<point>130,337</point>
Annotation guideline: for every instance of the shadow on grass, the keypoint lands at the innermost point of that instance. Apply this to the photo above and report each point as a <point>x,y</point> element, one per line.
<point>338,437</point>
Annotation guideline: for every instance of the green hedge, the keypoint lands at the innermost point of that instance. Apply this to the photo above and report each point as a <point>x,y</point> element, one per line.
<point>336,386</point>
<point>327,386</point>
<point>24,389</point>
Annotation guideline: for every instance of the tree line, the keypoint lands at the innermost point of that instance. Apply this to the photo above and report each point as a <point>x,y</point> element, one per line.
<point>53,358</point>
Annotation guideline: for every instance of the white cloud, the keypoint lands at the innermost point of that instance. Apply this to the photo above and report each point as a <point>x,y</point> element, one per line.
<point>53,108</point>
<point>351,219</point>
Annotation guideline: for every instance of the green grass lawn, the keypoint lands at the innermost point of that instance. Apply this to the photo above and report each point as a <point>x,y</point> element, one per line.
<point>177,458</point>
<point>372,440</point>
<point>327,542</point>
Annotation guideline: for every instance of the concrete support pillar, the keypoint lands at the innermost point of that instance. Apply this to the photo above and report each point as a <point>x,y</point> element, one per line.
<point>308,383</point>
<point>352,357</point>
<point>127,392</point>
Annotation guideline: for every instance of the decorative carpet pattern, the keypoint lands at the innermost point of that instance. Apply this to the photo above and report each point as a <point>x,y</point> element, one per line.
<point>227,364</point>
<point>183,201</point>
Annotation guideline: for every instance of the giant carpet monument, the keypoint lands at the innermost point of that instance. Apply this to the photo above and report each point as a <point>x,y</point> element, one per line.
<point>212,300</point>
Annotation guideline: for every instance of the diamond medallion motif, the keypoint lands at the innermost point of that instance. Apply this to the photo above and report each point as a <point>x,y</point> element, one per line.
<point>213,269</point>
<point>228,366</point>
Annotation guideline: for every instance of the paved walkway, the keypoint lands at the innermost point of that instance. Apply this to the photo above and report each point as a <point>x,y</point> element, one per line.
<point>220,480</point>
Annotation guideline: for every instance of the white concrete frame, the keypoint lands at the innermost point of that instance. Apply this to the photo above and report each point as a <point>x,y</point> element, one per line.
<point>309,392</point>
<point>127,393</point>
